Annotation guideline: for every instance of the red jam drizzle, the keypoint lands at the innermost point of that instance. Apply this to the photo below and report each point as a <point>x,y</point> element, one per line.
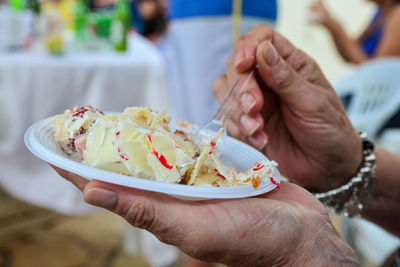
<point>162,160</point>
<point>149,136</point>
<point>82,110</point>
<point>79,112</point>
<point>81,131</point>
<point>71,144</point>
<point>258,167</point>
<point>212,144</point>
<point>275,182</point>
<point>160,156</point>
<point>219,175</point>
<point>119,149</point>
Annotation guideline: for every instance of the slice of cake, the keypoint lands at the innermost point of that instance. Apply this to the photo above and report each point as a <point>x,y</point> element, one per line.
<point>138,142</point>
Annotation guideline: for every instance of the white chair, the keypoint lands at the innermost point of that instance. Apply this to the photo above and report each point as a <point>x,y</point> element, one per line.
<point>375,94</point>
<point>390,140</point>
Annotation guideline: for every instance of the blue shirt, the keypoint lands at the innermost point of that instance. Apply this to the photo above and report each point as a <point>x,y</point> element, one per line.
<point>371,42</point>
<point>267,9</point>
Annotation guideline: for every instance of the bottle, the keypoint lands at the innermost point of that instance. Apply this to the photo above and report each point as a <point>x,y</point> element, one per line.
<point>17,5</point>
<point>33,6</point>
<point>80,14</point>
<point>120,26</point>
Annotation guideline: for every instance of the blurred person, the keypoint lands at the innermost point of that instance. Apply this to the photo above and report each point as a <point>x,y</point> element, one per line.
<point>199,39</point>
<point>149,18</point>
<point>379,39</point>
<point>311,137</point>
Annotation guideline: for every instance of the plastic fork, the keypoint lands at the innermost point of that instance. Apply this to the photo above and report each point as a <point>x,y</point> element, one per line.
<point>221,117</point>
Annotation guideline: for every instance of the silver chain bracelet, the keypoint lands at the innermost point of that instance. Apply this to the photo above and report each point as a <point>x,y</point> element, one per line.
<point>352,198</point>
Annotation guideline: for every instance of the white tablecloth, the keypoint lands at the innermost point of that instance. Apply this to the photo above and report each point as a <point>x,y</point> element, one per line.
<point>36,86</point>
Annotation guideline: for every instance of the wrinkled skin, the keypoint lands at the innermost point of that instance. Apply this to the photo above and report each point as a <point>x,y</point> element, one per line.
<point>284,227</point>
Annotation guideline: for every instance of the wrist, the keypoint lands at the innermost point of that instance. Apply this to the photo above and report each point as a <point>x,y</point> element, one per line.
<point>351,164</point>
<point>325,247</point>
<point>319,245</point>
<point>347,165</point>
<point>353,197</point>
<point>322,245</point>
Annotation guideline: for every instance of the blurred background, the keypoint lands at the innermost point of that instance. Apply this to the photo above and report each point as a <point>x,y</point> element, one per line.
<point>56,54</point>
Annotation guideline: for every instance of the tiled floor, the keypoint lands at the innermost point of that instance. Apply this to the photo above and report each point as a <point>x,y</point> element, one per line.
<point>35,237</point>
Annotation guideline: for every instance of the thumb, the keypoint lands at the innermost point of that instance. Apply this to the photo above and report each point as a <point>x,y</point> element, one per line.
<point>278,75</point>
<point>140,208</point>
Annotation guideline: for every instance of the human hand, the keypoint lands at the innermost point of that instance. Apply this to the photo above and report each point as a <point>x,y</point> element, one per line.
<point>284,227</point>
<point>293,106</point>
<point>319,14</point>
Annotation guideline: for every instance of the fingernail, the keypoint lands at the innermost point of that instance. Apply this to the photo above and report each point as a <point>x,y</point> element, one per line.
<point>249,124</point>
<point>239,56</point>
<point>101,198</point>
<point>264,143</point>
<point>259,141</point>
<point>270,54</point>
<point>248,102</point>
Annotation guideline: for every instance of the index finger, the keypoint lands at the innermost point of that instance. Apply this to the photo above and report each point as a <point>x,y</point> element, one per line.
<point>75,179</point>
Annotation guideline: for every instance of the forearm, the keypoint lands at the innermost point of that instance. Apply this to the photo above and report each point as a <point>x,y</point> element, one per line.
<point>348,48</point>
<point>384,207</point>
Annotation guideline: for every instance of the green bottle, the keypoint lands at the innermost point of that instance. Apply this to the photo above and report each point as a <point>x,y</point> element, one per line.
<point>80,14</point>
<point>34,6</point>
<point>120,26</point>
<point>17,5</point>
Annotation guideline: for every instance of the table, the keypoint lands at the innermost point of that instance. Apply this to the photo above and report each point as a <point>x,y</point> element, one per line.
<point>34,86</point>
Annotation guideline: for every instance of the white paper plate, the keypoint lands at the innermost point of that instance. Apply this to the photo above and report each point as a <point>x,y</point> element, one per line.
<point>39,140</point>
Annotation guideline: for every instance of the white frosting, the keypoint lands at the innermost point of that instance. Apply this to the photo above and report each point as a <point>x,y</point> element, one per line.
<point>138,142</point>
